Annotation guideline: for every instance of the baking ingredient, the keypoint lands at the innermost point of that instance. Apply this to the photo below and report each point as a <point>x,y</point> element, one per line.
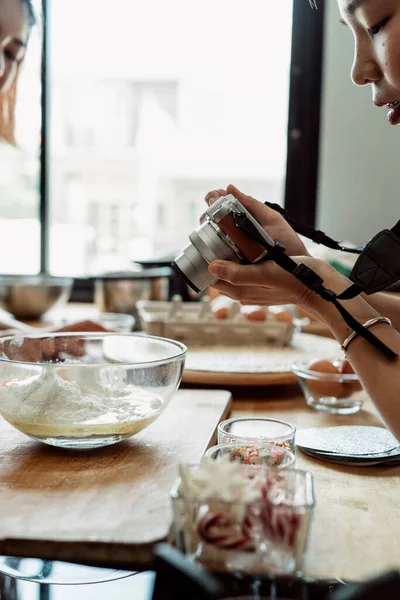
<point>221,313</point>
<point>281,314</point>
<point>221,307</point>
<point>269,455</point>
<point>323,365</point>
<point>49,405</point>
<point>346,367</point>
<point>321,387</point>
<point>254,313</point>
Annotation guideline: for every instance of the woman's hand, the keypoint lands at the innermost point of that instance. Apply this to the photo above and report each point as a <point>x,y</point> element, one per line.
<point>268,218</point>
<point>268,284</point>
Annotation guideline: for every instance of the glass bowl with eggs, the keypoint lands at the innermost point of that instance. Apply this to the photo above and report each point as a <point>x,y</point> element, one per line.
<point>330,385</point>
<point>87,390</point>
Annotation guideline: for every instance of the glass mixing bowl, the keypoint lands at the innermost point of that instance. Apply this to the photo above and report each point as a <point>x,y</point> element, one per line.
<point>87,390</point>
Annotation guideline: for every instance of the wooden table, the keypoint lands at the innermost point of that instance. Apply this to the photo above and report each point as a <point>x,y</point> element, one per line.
<point>356,527</point>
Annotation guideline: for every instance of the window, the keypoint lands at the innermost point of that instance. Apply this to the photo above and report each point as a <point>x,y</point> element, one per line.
<point>158,111</point>
<point>145,112</point>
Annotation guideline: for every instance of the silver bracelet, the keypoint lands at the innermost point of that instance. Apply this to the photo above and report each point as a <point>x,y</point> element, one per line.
<point>366,325</point>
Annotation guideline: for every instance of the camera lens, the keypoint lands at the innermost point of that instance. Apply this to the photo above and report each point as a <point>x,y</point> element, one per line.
<point>182,266</point>
<point>206,245</point>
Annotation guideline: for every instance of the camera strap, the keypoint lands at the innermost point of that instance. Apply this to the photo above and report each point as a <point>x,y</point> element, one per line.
<point>317,236</point>
<point>313,282</point>
<point>378,264</point>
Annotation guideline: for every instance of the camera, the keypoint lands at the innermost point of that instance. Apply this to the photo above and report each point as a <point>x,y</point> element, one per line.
<point>229,232</point>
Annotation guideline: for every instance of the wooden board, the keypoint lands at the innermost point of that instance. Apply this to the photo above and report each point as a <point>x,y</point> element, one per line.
<point>105,507</point>
<point>357,512</point>
<point>255,365</point>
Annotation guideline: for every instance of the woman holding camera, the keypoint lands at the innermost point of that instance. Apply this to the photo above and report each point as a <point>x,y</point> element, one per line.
<point>375,25</point>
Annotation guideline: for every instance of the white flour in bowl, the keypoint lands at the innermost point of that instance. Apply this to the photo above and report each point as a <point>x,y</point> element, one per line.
<point>48,405</point>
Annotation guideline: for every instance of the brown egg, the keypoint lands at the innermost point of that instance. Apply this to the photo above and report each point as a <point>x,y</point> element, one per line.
<point>325,388</point>
<point>283,316</point>
<point>346,367</point>
<point>221,313</point>
<point>220,306</point>
<point>254,313</point>
<point>351,386</point>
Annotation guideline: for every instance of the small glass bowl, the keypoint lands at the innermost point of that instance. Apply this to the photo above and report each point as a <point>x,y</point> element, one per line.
<point>117,321</point>
<point>254,455</point>
<point>335,393</point>
<point>258,431</point>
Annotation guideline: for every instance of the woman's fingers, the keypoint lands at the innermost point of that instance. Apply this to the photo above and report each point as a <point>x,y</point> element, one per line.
<point>210,198</point>
<point>262,213</point>
<point>238,274</point>
<point>258,284</point>
<point>250,295</point>
<point>214,195</point>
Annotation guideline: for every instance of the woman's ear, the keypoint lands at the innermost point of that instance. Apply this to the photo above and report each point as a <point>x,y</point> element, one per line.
<point>7,114</point>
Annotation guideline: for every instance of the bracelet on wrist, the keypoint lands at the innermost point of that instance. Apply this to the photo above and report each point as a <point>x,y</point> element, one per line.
<point>366,325</point>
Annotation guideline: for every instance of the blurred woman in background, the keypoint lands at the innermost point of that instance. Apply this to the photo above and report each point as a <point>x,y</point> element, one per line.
<point>16,21</point>
<point>17,17</point>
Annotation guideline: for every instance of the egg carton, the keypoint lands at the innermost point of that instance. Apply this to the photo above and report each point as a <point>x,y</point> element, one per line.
<point>194,323</point>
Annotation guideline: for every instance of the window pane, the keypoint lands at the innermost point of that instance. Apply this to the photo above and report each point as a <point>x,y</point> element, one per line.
<point>154,104</point>
<point>20,172</point>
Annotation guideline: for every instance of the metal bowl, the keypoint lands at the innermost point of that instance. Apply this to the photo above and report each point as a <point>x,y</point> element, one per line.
<point>29,297</point>
<point>120,292</point>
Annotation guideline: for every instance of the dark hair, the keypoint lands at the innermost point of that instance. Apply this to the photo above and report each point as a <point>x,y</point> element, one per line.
<point>31,12</point>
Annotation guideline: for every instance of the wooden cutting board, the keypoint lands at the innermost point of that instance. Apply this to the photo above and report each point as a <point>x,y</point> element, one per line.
<point>105,507</point>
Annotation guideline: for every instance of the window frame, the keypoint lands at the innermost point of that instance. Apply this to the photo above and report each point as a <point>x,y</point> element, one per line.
<point>304,119</point>
<point>303,131</point>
